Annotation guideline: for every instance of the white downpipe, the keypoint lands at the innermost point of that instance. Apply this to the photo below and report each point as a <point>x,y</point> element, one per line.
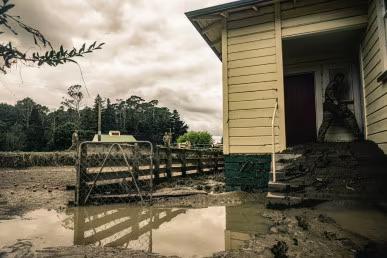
<point>273,143</point>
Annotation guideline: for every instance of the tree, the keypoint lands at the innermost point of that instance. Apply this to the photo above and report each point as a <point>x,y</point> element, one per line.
<point>108,118</point>
<point>73,102</point>
<point>88,119</point>
<point>14,139</point>
<point>24,108</point>
<point>30,126</point>
<point>196,138</point>
<point>178,127</point>
<point>63,135</point>
<point>35,139</point>
<point>12,55</point>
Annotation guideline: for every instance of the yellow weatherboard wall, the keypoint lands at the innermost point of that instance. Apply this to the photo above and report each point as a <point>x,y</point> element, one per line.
<point>252,80</point>
<point>373,54</point>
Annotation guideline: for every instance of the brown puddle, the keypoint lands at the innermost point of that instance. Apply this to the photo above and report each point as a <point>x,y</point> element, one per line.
<point>182,232</point>
<point>359,218</point>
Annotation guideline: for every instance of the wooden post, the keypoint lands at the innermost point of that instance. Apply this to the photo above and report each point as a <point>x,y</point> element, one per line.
<point>81,176</point>
<point>183,162</point>
<point>99,120</point>
<point>136,161</point>
<point>156,162</point>
<point>79,221</point>
<point>168,168</point>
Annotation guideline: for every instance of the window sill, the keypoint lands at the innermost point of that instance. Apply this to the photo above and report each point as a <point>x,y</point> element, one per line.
<point>383,77</point>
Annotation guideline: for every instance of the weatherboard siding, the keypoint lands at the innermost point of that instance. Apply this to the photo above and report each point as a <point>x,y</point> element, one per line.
<point>315,16</point>
<point>252,78</point>
<point>253,67</point>
<point>375,92</point>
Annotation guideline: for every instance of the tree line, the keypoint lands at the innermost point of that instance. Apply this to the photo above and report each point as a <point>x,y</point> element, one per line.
<point>29,126</point>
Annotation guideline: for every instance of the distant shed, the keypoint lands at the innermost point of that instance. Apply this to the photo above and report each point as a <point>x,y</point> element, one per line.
<point>114,136</point>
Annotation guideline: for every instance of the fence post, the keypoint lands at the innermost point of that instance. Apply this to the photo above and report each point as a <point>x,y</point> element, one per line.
<point>136,161</point>
<point>183,162</point>
<point>168,168</point>
<point>156,170</point>
<point>79,221</point>
<point>81,175</point>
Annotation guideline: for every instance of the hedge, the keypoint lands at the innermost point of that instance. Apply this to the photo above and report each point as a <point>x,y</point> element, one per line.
<point>30,159</point>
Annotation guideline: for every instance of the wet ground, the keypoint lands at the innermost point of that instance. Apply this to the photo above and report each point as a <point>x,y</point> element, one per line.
<point>168,231</point>
<point>35,221</point>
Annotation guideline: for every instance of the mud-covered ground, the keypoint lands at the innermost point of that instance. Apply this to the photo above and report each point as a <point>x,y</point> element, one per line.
<point>301,232</point>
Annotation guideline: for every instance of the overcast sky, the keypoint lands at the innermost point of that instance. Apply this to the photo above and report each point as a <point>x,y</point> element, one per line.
<point>151,50</point>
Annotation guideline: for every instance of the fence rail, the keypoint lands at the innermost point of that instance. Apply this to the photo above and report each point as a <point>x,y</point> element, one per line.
<point>123,172</point>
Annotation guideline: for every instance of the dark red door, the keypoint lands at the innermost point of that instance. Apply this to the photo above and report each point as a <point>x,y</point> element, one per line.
<point>300,111</point>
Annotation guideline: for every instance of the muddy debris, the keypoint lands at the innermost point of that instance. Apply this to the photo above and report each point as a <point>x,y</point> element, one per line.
<point>302,222</point>
<point>280,249</point>
<point>325,219</point>
<point>330,235</point>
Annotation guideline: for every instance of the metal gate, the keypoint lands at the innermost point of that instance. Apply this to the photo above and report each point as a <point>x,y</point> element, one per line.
<point>114,172</point>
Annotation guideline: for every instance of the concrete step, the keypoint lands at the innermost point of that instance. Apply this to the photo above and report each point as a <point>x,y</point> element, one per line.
<point>278,186</point>
<point>282,199</point>
<point>285,176</point>
<point>281,166</point>
<point>286,187</point>
<point>286,157</point>
<point>280,175</point>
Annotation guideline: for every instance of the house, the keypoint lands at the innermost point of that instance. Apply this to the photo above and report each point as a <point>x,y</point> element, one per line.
<point>282,55</point>
<point>114,136</point>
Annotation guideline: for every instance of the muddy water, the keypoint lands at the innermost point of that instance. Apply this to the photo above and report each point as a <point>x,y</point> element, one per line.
<point>359,218</point>
<point>182,232</point>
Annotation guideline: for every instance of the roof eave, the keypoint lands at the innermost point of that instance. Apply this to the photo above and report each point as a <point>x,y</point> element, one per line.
<point>197,27</point>
<point>192,15</point>
<point>222,7</point>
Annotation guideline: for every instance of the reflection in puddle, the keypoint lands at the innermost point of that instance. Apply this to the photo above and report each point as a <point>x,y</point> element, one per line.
<point>182,232</point>
<point>45,228</point>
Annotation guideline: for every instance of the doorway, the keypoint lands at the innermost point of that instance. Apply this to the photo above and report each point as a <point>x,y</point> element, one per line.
<point>300,109</point>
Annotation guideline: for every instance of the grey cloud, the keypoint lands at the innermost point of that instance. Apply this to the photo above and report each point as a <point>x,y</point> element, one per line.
<point>151,50</point>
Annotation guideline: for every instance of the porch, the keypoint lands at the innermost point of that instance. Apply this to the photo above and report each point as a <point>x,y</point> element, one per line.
<point>310,64</point>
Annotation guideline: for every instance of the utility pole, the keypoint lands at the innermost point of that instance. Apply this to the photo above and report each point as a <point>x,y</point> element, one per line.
<point>99,120</point>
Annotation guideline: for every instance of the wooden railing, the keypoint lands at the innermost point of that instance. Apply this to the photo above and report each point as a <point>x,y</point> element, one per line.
<point>169,162</point>
<point>103,168</point>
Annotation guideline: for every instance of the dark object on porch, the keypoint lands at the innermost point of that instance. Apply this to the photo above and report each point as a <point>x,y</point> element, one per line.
<point>333,108</point>
<point>300,109</point>
<point>246,172</point>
